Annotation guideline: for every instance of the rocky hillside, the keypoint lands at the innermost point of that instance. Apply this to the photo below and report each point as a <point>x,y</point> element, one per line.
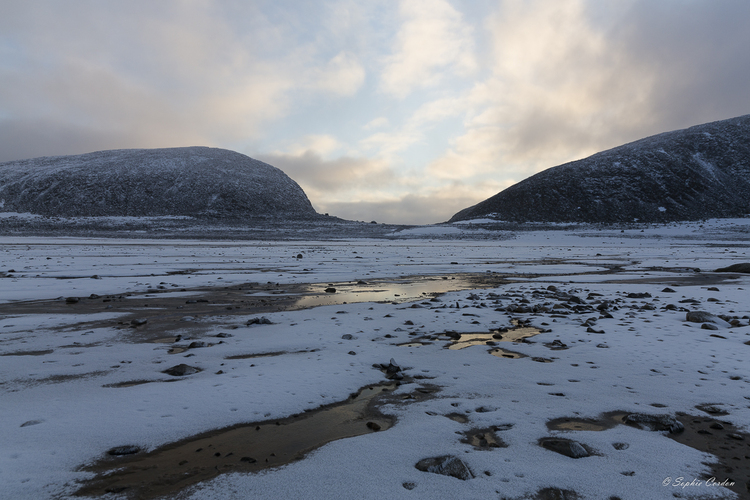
<point>195,181</point>
<point>697,173</point>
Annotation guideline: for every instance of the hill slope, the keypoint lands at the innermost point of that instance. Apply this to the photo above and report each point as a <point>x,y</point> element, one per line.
<point>194,181</point>
<point>696,173</point>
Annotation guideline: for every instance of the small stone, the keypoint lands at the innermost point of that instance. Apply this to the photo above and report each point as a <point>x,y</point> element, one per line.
<point>409,485</point>
<point>123,450</point>
<point>330,289</point>
<point>71,300</point>
<point>197,344</point>
<point>259,321</point>
<point>709,326</point>
<point>447,465</point>
<point>138,321</point>
<point>248,460</point>
<point>31,422</point>
<point>567,447</point>
<point>620,446</point>
<point>347,336</point>
<point>352,353</point>
<point>655,422</point>
<point>373,426</point>
<point>181,370</point>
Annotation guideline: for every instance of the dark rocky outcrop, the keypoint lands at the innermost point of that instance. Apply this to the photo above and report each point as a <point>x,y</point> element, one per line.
<point>697,173</point>
<point>194,181</point>
<point>742,267</point>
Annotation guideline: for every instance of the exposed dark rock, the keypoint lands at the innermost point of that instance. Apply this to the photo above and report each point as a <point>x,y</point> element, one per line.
<point>194,181</point>
<point>447,465</point>
<point>712,409</point>
<point>704,317</point>
<point>698,173</point>
<point>743,267</point>
<point>259,321</point>
<point>567,447</point>
<point>123,450</point>
<point>31,422</point>
<point>181,370</point>
<point>655,422</point>
<point>556,494</point>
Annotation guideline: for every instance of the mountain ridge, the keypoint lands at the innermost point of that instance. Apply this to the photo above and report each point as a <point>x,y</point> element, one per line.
<point>696,173</point>
<point>192,181</point>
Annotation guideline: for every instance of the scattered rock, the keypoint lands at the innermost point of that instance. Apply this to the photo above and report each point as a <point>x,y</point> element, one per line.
<point>709,326</point>
<point>556,494</point>
<point>655,422</point>
<point>138,321</point>
<point>181,370</point>
<point>347,336</point>
<point>124,450</point>
<point>259,321</point>
<point>712,409</point>
<point>71,300</point>
<point>330,289</point>
<point>567,447</point>
<point>641,295</point>
<point>409,485</point>
<point>31,422</point>
<point>704,317</point>
<point>373,426</point>
<point>620,446</point>
<point>668,290</point>
<point>197,344</point>
<point>447,465</point>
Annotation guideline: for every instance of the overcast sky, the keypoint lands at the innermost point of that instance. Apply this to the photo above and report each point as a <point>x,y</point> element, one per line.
<point>394,111</point>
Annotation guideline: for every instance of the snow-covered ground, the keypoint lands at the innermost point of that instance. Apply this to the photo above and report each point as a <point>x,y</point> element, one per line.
<point>64,367</point>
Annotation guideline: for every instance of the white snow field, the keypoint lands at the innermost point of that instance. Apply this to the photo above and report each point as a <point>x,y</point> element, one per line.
<point>65,399</point>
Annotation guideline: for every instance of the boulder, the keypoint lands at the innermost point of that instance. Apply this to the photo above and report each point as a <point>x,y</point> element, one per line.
<point>447,465</point>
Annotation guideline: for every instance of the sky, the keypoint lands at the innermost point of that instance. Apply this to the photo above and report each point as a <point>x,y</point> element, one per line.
<point>394,111</point>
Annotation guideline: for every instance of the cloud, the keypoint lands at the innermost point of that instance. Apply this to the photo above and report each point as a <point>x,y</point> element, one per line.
<point>329,179</point>
<point>427,207</point>
<point>569,80</point>
<point>342,75</point>
<point>433,41</point>
<point>166,73</point>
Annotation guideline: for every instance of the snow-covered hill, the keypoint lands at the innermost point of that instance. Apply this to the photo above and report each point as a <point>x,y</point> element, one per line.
<point>194,181</point>
<point>698,173</point>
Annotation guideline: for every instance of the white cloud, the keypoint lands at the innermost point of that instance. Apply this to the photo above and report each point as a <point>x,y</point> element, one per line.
<point>433,40</point>
<point>378,122</point>
<point>342,75</point>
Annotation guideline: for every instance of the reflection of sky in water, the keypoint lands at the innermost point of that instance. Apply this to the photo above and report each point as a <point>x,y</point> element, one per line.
<point>512,335</point>
<point>388,291</point>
